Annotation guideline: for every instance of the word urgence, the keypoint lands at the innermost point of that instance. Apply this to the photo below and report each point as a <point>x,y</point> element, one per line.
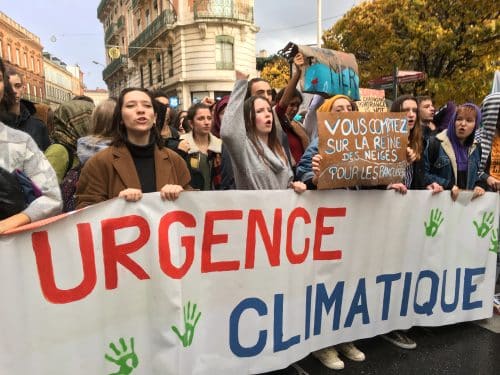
<point>115,253</point>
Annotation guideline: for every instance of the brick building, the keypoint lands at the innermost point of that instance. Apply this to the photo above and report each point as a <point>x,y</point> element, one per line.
<point>22,51</point>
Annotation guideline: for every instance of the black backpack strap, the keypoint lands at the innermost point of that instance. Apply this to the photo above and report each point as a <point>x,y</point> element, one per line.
<point>434,145</point>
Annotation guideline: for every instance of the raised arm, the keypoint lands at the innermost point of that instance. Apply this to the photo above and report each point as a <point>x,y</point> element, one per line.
<point>298,61</point>
<point>233,132</point>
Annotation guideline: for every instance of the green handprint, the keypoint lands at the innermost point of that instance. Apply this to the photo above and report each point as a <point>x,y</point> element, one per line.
<point>189,325</point>
<point>494,241</point>
<point>435,222</point>
<point>486,224</point>
<point>127,361</point>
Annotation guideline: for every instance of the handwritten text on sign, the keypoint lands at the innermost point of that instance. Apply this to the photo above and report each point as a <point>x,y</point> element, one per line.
<point>361,149</point>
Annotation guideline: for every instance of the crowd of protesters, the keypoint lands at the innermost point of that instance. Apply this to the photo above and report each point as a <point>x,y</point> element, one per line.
<point>137,144</point>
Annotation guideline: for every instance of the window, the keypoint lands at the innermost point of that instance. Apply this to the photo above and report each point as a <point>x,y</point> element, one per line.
<point>148,18</point>
<point>41,92</point>
<point>138,26</point>
<point>159,63</point>
<point>9,53</point>
<point>18,57</point>
<point>150,68</point>
<point>32,63</point>
<point>170,61</point>
<point>142,76</point>
<point>1,48</point>
<point>25,60</point>
<point>28,88</point>
<point>224,52</point>
<point>34,91</point>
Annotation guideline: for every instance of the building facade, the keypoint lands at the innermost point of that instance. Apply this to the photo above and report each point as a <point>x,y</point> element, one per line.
<point>21,50</point>
<point>189,48</point>
<point>98,95</point>
<point>77,86</point>
<point>58,80</point>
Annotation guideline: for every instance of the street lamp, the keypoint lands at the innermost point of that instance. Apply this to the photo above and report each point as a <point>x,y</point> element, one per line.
<point>98,63</point>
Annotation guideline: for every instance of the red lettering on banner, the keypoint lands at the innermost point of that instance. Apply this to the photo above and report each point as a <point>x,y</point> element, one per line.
<point>114,254</point>
<point>45,267</point>
<point>294,258</point>
<point>209,239</point>
<point>321,231</point>
<point>256,219</point>
<point>187,242</point>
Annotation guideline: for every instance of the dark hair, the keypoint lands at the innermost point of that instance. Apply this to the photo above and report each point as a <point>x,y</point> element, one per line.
<point>415,138</point>
<point>295,94</point>
<point>191,113</point>
<point>83,97</point>
<point>158,93</point>
<point>179,120</point>
<point>9,97</point>
<point>250,84</point>
<point>13,72</point>
<point>423,98</point>
<point>273,140</point>
<point>118,127</point>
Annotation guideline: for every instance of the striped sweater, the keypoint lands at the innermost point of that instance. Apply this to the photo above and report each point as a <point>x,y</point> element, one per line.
<point>490,111</point>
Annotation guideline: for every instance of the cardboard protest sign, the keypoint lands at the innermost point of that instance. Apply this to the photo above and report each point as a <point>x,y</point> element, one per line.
<point>326,72</point>
<point>371,100</point>
<point>361,149</point>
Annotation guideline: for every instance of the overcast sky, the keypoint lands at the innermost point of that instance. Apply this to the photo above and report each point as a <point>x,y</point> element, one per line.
<point>71,31</point>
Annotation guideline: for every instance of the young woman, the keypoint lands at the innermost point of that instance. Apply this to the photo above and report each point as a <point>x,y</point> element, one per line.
<point>101,132</point>
<point>337,103</point>
<point>452,158</point>
<point>288,100</point>
<point>204,155</point>
<point>414,177</point>
<point>249,132</point>
<point>136,162</point>
<point>340,103</point>
<point>19,151</point>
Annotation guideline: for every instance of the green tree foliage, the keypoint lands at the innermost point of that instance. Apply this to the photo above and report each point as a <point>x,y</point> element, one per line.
<point>456,42</point>
<point>277,72</point>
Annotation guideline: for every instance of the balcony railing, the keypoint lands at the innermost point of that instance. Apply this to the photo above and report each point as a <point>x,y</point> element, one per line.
<point>109,32</point>
<point>150,33</point>
<point>101,6</point>
<point>114,66</point>
<point>241,10</point>
<point>135,3</point>
<point>120,22</point>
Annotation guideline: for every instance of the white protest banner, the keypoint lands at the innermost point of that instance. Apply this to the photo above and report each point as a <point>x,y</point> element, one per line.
<point>240,281</point>
<point>361,149</point>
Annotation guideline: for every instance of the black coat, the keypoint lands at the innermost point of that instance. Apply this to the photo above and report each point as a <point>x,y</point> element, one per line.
<point>28,123</point>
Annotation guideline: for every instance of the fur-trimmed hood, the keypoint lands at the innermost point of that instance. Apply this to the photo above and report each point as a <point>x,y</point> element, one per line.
<point>214,145</point>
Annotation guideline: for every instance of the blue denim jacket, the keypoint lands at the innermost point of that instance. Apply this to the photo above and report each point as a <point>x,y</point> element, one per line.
<point>304,170</point>
<point>444,169</point>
